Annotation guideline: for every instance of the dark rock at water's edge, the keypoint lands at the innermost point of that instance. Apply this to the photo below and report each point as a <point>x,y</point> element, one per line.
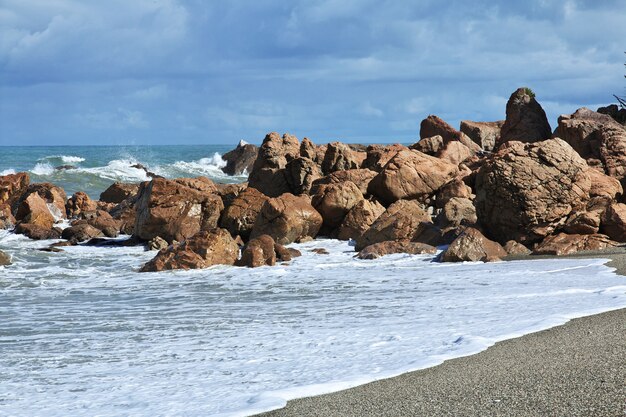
<point>64,167</point>
<point>241,159</point>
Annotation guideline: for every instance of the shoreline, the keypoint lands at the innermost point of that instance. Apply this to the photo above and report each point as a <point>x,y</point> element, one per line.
<point>574,369</point>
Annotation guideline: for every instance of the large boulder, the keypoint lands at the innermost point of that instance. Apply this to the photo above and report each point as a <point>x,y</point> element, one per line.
<point>37,232</point>
<point>454,152</point>
<point>484,134</point>
<point>455,188</point>
<point>457,212</point>
<point>389,247</point>
<point>207,248</point>
<point>359,219</point>
<point>411,174</point>
<point>268,171</point>
<point>340,157</point>
<point>118,192</point>
<point>229,192</point>
<point>526,120</point>
<point>241,159</point>
<point>525,192</point>
<point>287,219</point>
<point>618,114</point>
<point>473,246</point>
<point>174,211</point>
<point>34,210</point>
<point>613,222</point>
<point>301,173</point>
<point>597,138</point>
<point>12,187</point>
<point>239,217</point>
<point>434,125</point>
<point>398,222</point>
<point>126,213</point>
<point>262,251</point>
<point>80,232</point>
<point>378,155</point>
<point>360,177</point>
<point>429,146</point>
<point>79,205</point>
<point>564,244</point>
<point>334,201</point>
<point>54,197</point>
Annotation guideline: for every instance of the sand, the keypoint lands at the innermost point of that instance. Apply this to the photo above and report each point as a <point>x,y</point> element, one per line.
<point>578,369</point>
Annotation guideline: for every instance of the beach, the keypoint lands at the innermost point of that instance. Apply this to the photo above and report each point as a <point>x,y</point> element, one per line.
<point>577,369</point>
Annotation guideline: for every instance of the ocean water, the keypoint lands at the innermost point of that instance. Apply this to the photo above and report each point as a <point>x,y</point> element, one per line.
<point>83,333</point>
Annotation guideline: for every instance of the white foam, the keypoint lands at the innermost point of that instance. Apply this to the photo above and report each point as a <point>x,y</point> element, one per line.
<point>7,172</point>
<point>42,169</point>
<point>71,159</point>
<point>118,170</point>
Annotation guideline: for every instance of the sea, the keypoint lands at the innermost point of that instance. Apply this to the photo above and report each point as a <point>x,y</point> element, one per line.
<point>83,333</point>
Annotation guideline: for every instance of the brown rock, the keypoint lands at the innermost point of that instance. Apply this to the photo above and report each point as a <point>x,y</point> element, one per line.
<point>583,222</point>
<point>157,243</point>
<point>473,246</point>
<point>118,192</point>
<point>526,191</point>
<point>428,233</point>
<point>454,152</point>
<point>515,248</point>
<point>411,174</point>
<point>241,159</point>
<point>398,222</point>
<point>564,244</point>
<point>287,219</point>
<point>613,222</point>
<point>6,217</point>
<point>79,204</point>
<point>258,252</point>
<point>433,126</point>
<point>34,210</point>
<point>455,188</point>
<point>525,119</point>
<point>207,248</point>
<point>284,254</point>
<point>268,174</point>
<point>300,173</point>
<point>312,151</point>
<point>12,186</point>
<point>80,232</point>
<point>386,248</point>
<point>429,146</point>
<point>359,219</point>
<point>319,251</point>
<point>174,211</point>
<point>229,192</point>
<point>105,222</point>
<point>202,184</point>
<point>340,157</point>
<point>126,213</point>
<point>37,232</point>
<point>484,134</point>
<point>378,155</point>
<point>239,217</point>
<point>54,197</point>
<point>5,259</point>
<point>456,212</point>
<point>360,177</point>
<point>616,113</point>
<point>334,201</point>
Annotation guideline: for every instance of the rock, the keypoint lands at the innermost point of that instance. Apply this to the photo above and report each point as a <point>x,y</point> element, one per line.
<point>428,233</point>
<point>597,138</point>
<point>386,248</point>
<point>340,157</point>
<point>105,222</point>
<point>515,248</point>
<point>34,210</point>
<point>202,184</point>
<point>433,126</point>
<point>525,192</point>
<point>378,155</point>
<point>80,232</point>
<point>12,186</point>
<point>583,222</point>
<point>241,159</point>
<point>359,219</point>
<point>411,174</point>
<point>312,151</point>
<point>525,119</point>
<point>454,152</point>
<point>429,146</point>
<point>6,217</point>
<point>300,173</point>
<point>206,248</point>
<point>456,212</point>
<point>268,171</point>
<point>80,204</point>
<point>287,219</point>
<point>564,244</point>
<point>118,192</point>
<point>258,252</point>
<point>616,113</point>
<point>174,211</point>
<point>613,222</point>
<point>455,188</point>
<point>126,213</point>
<point>5,259</point>
<point>334,201</point>
<point>37,232</point>
<point>603,187</point>
<point>229,192</point>
<point>360,177</point>
<point>157,243</point>
<point>64,167</point>
<point>284,254</point>
<point>484,134</point>
<point>54,197</point>
<point>473,246</point>
<point>319,251</point>
<point>239,217</point>
<point>398,222</point>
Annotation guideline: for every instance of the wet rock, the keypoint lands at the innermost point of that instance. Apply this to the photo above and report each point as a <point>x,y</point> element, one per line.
<point>126,213</point>
<point>268,171</point>
<point>118,192</point>
<point>334,201</point>
<point>53,196</point>
<point>6,217</point>
<point>5,259</point>
<point>484,134</point>
<point>157,243</point>
<point>526,120</point>
<point>241,159</point>
<point>80,232</point>
<point>239,217</point>
<point>37,232</point>
<point>284,254</point>
<point>359,219</point>
<point>79,205</point>
<point>564,244</point>
<point>386,248</point>
<point>319,251</point>
<point>258,252</point>
<point>473,246</point>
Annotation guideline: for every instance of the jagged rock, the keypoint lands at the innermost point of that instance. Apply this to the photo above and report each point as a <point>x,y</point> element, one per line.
<point>386,248</point>
<point>360,177</point>
<point>473,246</point>
<point>411,174</point>
<point>287,219</point>
<point>300,173</point>
<point>174,211</point>
<point>206,248</point>
<point>340,157</point>
<point>126,213</point>
<point>34,210</point>
<point>524,192</point>
<point>157,243</point>
<point>268,171</point>
<point>80,232</point>
<point>334,201</point>
<point>118,192</point>
<point>359,219</point>
<point>80,204</point>
<point>484,134</point>
<point>258,252</point>
<point>241,159</point>
<point>398,222</point>
<point>525,119</point>
<point>37,232</point>
<point>613,222</point>
<point>515,248</point>
<point>378,155</point>
<point>239,217</point>
<point>616,113</point>
<point>6,217</point>
<point>584,223</point>
<point>433,126</point>
<point>456,212</point>
<point>12,187</point>
<point>103,221</point>
<point>229,192</point>
<point>564,244</point>
<point>54,197</point>
<point>312,151</point>
<point>429,146</point>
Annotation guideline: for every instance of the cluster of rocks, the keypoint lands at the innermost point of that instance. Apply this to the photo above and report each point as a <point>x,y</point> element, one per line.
<point>488,190</point>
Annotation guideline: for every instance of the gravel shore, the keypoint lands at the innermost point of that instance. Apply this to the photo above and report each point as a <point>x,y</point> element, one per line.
<point>578,369</point>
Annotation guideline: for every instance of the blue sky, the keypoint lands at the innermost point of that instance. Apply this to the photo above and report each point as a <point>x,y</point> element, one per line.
<point>192,71</point>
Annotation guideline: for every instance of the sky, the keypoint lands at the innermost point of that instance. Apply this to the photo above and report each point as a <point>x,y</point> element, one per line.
<point>121,72</point>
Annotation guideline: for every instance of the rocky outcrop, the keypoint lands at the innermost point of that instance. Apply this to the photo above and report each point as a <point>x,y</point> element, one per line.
<point>526,120</point>
<point>473,246</point>
<point>312,151</point>
<point>34,210</point>
<point>389,247</point>
<point>301,173</point>
<point>334,201</point>
<point>378,155</point>
<point>435,126</point>
<point>484,134</point>
<point>360,177</point>
<point>287,219</point>
<point>241,159</point>
<point>411,175</point>
<point>207,248</point>
<point>268,171</point>
<point>118,192</point>
<point>398,222</point>
<point>12,187</point>
<point>613,222</point>
<point>174,211</point>
<point>239,217</point>
<point>359,219</point>
<point>564,244</point>
<point>339,157</point>
<point>79,205</point>
<point>457,212</point>
<point>229,192</point>
<point>525,192</point>
<point>618,114</point>
<point>597,138</point>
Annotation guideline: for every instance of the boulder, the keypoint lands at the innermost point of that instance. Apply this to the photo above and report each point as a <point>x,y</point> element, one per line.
<point>202,184</point>
<point>583,222</point>
<point>564,244</point>
<point>268,171</point>
<point>411,174</point>
<point>398,222</point>
<point>433,126</point>
<point>454,152</point>
<point>103,221</point>
<point>126,213</point>
<point>429,146</point>
<point>386,248</point>
<point>206,248</point>
<point>53,196</point>
<point>456,212</point>
<point>455,188</point>
<point>378,155</point>
<point>287,219</point>
<point>5,259</point>
<point>525,119</point>
<point>118,192</point>
<point>604,189</point>
<point>37,232</point>
<point>334,201</point>
<point>428,233</point>
<point>312,151</point>
<point>174,211</point>
<point>80,232</point>
<point>359,219</point>
<point>239,217</point>
<point>618,114</point>
<point>484,134</point>
<point>6,217</point>
<point>12,187</point>
<point>525,192</point>
<point>241,159</point>
<point>613,222</point>
<point>597,138</point>
<point>34,210</point>
<point>157,243</point>
<point>360,177</point>
<point>473,246</point>
<point>340,157</point>
<point>258,252</point>
<point>284,254</point>
<point>300,173</point>
<point>229,192</point>
<point>515,248</point>
<point>79,205</point>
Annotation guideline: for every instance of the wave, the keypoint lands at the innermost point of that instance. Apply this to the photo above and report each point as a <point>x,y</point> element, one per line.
<point>42,169</point>
<point>65,159</point>
<point>9,171</point>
